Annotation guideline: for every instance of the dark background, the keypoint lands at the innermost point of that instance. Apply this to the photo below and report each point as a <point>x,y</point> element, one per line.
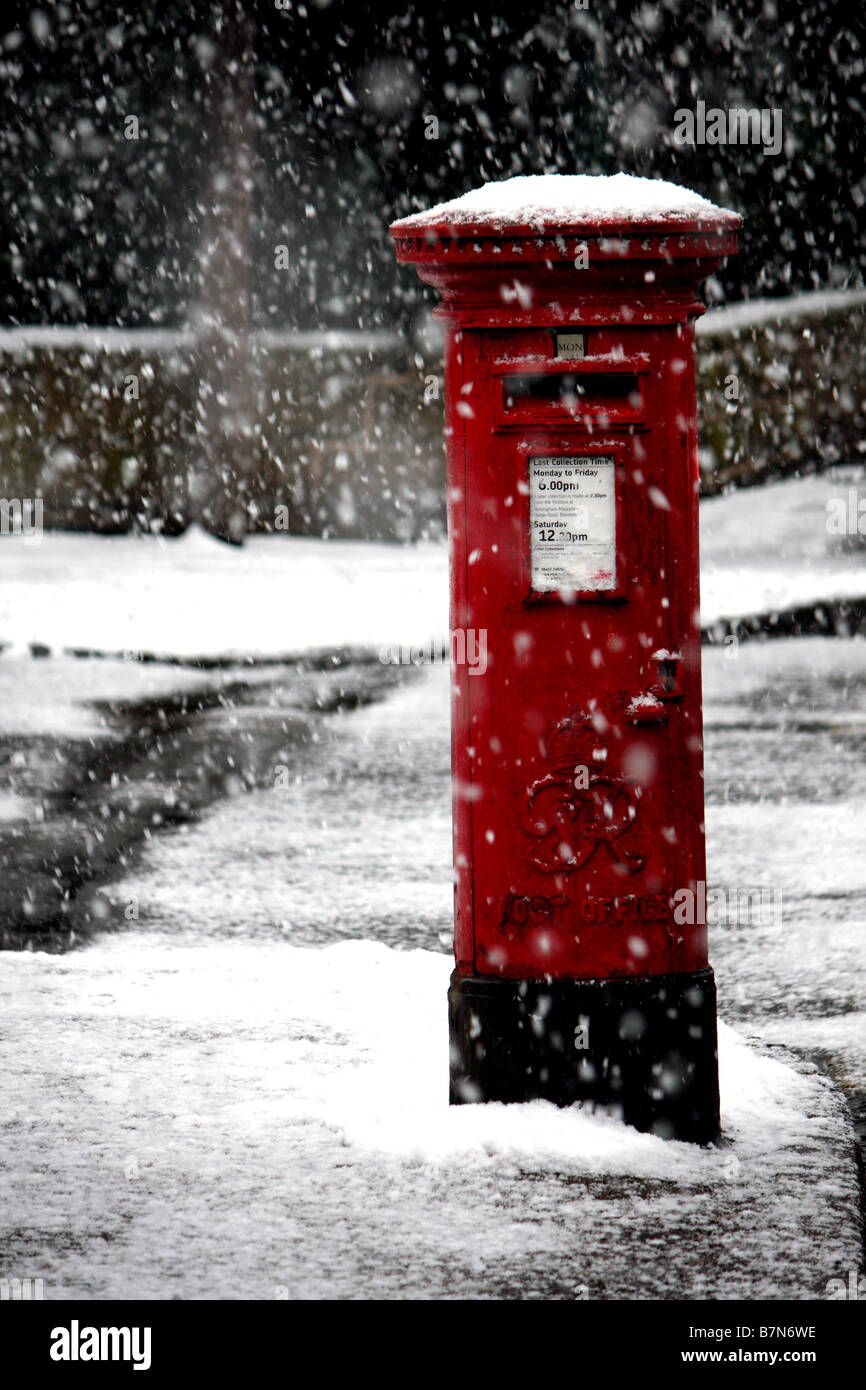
<point>104,230</point>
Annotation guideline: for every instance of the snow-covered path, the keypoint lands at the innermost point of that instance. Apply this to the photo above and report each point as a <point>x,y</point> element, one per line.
<point>237,1120</point>
<point>243,1092</point>
<point>786,814</point>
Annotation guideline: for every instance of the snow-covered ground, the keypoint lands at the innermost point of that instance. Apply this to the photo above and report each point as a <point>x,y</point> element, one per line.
<point>212,1107</point>
<point>239,1122</point>
<point>767,549</point>
<point>763,549</point>
<point>242,1091</point>
<point>61,696</point>
<point>786,790</point>
<point>194,596</point>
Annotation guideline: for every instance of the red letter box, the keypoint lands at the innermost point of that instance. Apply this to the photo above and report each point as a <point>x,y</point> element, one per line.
<point>580,941</point>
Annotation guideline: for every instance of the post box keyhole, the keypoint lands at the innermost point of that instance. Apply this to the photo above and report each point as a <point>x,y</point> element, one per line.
<point>668,683</point>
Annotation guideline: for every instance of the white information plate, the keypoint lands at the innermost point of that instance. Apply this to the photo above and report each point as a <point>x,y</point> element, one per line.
<point>572,517</point>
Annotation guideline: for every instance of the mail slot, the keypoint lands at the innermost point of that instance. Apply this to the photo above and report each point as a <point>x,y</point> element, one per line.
<point>577,755</point>
<point>547,393</point>
<point>569,390</point>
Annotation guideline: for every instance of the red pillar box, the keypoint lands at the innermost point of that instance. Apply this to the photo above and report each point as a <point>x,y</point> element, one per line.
<point>580,942</point>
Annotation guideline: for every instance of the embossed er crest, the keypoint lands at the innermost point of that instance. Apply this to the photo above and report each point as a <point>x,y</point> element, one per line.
<point>569,821</point>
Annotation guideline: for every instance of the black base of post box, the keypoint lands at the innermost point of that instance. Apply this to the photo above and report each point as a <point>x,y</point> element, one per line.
<point>647,1047</point>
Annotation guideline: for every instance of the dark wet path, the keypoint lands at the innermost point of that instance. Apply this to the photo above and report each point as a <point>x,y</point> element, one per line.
<point>159,761</point>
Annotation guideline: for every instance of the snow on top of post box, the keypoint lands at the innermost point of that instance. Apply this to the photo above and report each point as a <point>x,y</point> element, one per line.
<point>571,200</point>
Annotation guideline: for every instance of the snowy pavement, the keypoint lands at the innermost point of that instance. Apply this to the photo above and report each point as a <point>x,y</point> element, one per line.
<point>786,791</point>
<point>255,1120</point>
<point>242,1093</point>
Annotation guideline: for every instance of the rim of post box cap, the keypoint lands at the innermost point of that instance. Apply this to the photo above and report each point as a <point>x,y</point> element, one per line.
<point>579,256</point>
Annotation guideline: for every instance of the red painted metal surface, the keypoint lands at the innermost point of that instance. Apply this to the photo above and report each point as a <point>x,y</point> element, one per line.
<point>577,753</point>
